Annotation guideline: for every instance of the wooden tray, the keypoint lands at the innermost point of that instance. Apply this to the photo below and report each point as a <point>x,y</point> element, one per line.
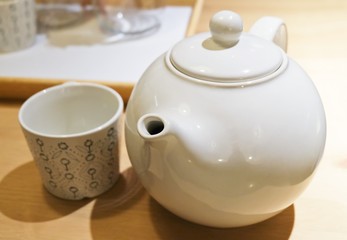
<point>22,88</point>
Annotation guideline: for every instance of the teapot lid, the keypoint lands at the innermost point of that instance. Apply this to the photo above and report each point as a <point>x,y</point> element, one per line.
<point>226,54</point>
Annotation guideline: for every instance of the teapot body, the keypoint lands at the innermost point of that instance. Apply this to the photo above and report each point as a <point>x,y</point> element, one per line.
<point>224,155</point>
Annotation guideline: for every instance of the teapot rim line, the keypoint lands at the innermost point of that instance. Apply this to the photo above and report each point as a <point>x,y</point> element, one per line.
<point>229,83</point>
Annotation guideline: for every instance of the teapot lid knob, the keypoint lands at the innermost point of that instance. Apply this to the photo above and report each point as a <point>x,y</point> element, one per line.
<point>226,28</point>
<point>225,54</point>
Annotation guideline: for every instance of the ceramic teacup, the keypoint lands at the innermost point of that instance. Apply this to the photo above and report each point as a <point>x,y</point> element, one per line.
<point>17,24</point>
<point>72,131</point>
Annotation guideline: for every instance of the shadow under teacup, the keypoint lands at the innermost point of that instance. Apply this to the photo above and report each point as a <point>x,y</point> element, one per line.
<point>72,131</point>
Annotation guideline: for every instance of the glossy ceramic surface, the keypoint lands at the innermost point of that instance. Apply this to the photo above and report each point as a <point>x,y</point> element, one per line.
<point>226,55</point>
<point>72,131</point>
<point>225,153</point>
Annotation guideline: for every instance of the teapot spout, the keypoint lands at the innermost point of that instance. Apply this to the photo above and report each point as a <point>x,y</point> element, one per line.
<point>188,136</point>
<point>152,126</point>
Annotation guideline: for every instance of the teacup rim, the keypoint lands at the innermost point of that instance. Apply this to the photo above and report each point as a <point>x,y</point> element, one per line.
<point>101,127</point>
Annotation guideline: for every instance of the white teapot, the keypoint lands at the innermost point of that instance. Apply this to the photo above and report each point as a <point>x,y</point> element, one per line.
<point>224,129</point>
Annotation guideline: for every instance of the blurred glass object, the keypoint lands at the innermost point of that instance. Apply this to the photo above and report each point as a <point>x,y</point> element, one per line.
<point>128,18</point>
<point>59,13</point>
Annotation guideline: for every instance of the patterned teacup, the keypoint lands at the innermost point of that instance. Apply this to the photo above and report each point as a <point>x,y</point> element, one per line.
<point>72,131</point>
<point>17,24</point>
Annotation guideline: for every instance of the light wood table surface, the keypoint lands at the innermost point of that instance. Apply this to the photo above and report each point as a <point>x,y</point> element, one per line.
<point>317,40</point>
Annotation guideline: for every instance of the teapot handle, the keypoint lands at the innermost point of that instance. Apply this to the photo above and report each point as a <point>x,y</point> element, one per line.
<point>272,29</point>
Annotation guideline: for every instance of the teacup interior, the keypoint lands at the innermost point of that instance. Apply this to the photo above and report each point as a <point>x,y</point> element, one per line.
<point>69,110</point>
